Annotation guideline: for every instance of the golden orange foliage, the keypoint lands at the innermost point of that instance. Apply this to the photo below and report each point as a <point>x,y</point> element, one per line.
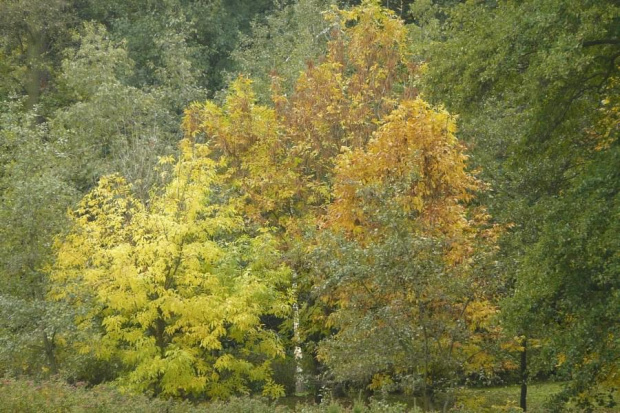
<point>351,142</point>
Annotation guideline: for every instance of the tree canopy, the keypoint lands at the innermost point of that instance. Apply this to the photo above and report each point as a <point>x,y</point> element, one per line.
<point>174,290</point>
<point>208,199</point>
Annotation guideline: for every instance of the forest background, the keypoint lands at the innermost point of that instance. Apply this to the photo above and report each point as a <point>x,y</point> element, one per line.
<point>202,199</point>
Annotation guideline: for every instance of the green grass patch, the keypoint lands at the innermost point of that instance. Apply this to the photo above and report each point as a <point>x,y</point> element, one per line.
<point>506,399</point>
<point>490,399</point>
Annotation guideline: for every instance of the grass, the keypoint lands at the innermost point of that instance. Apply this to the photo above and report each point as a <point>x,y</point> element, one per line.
<point>474,400</point>
<point>506,399</point>
<point>492,398</point>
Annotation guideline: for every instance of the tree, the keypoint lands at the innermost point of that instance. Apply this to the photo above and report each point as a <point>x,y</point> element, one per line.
<point>88,122</point>
<point>210,30</point>
<point>32,37</point>
<point>335,104</point>
<point>290,37</point>
<point>175,289</point>
<point>357,105</point>
<point>283,156</point>
<point>567,285</point>
<point>400,259</point>
<point>79,106</point>
<point>106,125</point>
<point>532,82</point>
<point>33,198</point>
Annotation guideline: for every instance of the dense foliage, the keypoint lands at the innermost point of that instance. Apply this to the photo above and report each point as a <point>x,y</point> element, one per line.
<point>207,199</point>
<point>536,84</point>
<point>174,290</point>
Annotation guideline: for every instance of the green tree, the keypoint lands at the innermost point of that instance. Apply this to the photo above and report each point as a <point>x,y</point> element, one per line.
<point>532,82</point>
<point>32,37</point>
<point>283,45</point>
<point>106,125</point>
<point>210,31</point>
<point>34,197</point>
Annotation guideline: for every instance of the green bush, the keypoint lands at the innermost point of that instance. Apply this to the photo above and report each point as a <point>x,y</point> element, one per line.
<point>55,396</point>
<point>24,396</point>
<point>244,405</point>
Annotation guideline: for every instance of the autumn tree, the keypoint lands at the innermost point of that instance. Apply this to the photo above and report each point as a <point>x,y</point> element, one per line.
<point>174,290</point>
<point>88,88</point>
<point>295,33</point>
<point>353,153</point>
<point>400,259</point>
<point>282,157</point>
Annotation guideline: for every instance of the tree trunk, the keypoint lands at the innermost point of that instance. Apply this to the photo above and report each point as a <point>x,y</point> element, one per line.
<point>523,400</point>
<point>36,74</point>
<point>300,383</point>
<point>50,353</point>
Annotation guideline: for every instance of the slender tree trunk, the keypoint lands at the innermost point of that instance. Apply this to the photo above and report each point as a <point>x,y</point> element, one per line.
<point>300,384</point>
<point>523,400</point>
<point>448,400</point>
<point>35,69</point>
<point>50,353</point>
<point>427,396</point>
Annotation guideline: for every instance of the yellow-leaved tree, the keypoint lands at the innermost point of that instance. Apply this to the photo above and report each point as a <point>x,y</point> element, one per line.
<point>176,289</point>
<point>400,257</point>
<point>369,188</point>
<point>282,157</point>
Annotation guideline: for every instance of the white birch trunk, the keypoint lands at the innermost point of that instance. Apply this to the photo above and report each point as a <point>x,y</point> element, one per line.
<point>300,383</point>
